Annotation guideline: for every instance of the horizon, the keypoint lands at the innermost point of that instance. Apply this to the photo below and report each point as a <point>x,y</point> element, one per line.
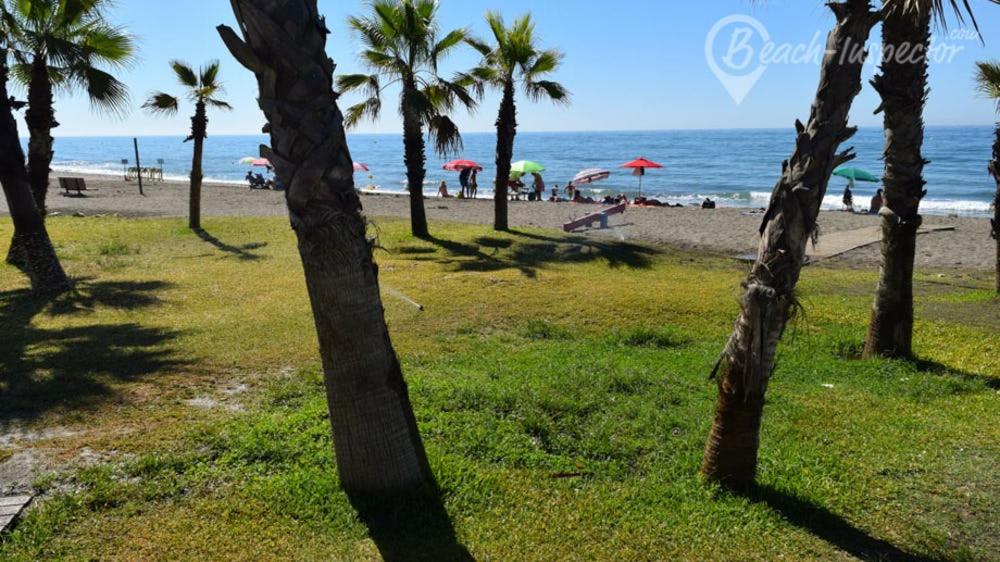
<point>654,74</point>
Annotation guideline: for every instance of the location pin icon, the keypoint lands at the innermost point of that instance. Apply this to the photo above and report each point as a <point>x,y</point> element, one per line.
<point>738,85</point>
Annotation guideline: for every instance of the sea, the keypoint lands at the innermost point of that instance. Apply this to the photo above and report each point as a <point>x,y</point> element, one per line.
<point>736,168</point>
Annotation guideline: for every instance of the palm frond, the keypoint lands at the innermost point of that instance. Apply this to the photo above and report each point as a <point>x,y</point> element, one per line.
<point>542,89</point>
<point>366,83</point>
<point>107,94</point>
<point>988,80</point>
<point>445,135</point>
<point>185,74</point>
<point>218,104</point>
<point>160,103</point>
<point>369,109</point>
<point>209,75</point>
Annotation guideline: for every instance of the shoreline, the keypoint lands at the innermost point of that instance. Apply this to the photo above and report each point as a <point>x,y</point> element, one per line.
<point>725,231</point>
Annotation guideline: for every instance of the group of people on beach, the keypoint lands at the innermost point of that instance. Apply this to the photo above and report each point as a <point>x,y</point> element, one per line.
<point>258,181</point>
<point>877,202</point>
<point>517,190</point>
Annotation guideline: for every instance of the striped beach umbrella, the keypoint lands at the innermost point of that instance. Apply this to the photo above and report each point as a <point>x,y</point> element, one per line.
<point>590,175</point>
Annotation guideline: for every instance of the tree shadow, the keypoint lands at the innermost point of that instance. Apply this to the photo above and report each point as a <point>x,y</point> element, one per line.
<point>72,367</point>
<point>831,527</point>
<point>242,253</point>
<point>413,526</point>
<point>941,370</point>
<point>488,254</point>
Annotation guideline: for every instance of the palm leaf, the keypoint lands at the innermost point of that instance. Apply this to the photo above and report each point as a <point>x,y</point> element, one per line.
<point>209,75</point>
<point>988,80</point>
<point>161,103</point>
<point>445,135</point>
<point>369,109</point>
<point>185,74</point>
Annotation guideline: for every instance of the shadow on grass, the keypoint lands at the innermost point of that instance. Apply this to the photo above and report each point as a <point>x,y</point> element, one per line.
<point>831,527</point>
<point>43,369</point>
<point>940,370</point>
<point>410,527</point>
<point>487,254</point>
<point>242,253</point>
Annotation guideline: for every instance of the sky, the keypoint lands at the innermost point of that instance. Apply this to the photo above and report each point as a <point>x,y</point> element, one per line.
<point>630,65</point>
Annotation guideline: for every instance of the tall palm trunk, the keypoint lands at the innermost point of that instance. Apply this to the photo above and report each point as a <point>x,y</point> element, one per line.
<point>415,158</point>
<point>40,260</point>
<point>748,360</point>
<point>378,447</point>
<point>995,170</point>
<point>506,131</point>
<point>40,118</point>
<point>903,88</point>
<point>199,130</point>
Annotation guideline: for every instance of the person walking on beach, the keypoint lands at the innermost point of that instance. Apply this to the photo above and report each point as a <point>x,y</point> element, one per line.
<point>539,185</point>
<point>848,199</point>
<point>474,184</point>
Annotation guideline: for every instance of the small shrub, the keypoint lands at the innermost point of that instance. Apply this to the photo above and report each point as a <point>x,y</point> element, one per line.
<point>116,248</point>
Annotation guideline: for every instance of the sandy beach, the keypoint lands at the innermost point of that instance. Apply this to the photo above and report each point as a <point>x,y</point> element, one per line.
<point>722,231</point>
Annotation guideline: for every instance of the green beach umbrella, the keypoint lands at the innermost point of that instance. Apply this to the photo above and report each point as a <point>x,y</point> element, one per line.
<point>856,174</point>
<point>518,169</point>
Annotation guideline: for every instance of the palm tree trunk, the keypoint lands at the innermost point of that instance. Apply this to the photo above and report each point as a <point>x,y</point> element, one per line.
<point>995,171</point>
<point>903,88</point>
<point>40,260</point>
<point>40,118</point>
<point>378,447</point>
<point>748,360</point>
<point>199,130</point>
<point>506,131</point>
<point>414,156</point>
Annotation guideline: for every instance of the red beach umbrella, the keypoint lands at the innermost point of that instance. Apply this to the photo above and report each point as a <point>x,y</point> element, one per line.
<point>640,165</point>
<point>359,167</point>
<point>459,165</point>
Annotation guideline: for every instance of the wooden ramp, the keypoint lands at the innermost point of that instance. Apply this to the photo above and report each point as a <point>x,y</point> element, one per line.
<point>10,509</point>
<point>838,243</point>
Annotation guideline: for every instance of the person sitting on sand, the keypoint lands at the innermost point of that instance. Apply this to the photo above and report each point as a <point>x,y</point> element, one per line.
<point>877,202</point>
<point>708,203</point>
<point>555,194</point>
<point>443,190</point>
<point>571,191</point>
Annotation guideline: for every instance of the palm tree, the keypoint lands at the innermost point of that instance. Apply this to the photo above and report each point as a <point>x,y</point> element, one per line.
<point>203,87</point>
<point>375,433</point>
<point>40,260</point>
<point>512,60</point>
<point>769,301</point>
<point>403,45</point>
<point>988,80</point>
<point>61,44</point>
<point>906,36</point>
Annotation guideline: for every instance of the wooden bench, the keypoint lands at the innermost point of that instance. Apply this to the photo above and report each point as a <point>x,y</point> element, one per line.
<point>601,216</point>
<point>79,185</point>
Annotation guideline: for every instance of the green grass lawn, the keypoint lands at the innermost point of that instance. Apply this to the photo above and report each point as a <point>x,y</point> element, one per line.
<point>560,384</point>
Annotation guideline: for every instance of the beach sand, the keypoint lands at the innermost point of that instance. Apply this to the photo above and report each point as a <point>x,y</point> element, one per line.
<point>723,231</point>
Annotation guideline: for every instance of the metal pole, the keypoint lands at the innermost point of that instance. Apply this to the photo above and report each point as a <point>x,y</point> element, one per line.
<point>138,166</point>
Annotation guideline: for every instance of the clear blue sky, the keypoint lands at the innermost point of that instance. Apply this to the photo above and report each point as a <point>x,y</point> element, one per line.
<point>631,64</point>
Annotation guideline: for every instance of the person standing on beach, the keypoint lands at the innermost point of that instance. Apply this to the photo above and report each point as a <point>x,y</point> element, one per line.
<point>474,184</point>
<point>848,199</point>
<point>463,180</point>
<point>539,186</point>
